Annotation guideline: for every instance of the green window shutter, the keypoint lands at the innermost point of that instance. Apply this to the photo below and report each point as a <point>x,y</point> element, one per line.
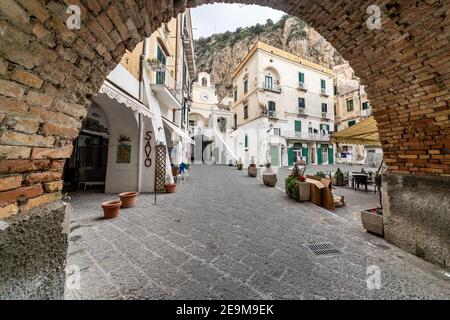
<point>290,156</point>
<point>319,155</point>
<point>275,156</point>
<point>323,84</point>
<point>305,154</point>
<point>246,141</point>
<point>298,126</point>
<point>301,77</point>
<point>161,76</point>
<point>331,156</point>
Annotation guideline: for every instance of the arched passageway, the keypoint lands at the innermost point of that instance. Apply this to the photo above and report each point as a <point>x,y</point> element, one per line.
<point>49,74</point>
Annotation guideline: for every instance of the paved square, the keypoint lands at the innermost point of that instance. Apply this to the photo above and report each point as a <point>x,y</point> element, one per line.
<point>224,235</point>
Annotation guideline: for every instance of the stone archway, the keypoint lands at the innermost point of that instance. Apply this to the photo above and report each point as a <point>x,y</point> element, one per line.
<point>49,74</point>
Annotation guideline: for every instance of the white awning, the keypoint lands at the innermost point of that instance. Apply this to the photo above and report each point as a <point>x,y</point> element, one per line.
<point>183,135</point>
<point>116,93</point>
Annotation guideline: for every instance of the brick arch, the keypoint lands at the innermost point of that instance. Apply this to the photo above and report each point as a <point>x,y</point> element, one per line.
<point>48,75</point>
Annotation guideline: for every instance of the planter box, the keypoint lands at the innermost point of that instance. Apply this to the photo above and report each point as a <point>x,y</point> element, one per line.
<point>372,222</point>
<point>252,172</point>
<point>304,189</point>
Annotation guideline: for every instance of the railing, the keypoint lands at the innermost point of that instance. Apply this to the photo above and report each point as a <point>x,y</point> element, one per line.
<point>306,136</point>
<point>325,115</point>
<point>302,86</point>
<point>165,78</point>
<point>272,88</point>
<point>270,114</point>
<point>195,130</point>
<point>366,112</point>
<point>324,92</point>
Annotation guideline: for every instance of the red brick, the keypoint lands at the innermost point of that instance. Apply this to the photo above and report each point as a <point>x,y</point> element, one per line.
<point>11,182</point>
<point>47,176</point>
<point>20,194</point>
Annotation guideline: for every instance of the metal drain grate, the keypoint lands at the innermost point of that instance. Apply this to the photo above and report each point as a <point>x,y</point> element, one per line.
<point>323,249</point>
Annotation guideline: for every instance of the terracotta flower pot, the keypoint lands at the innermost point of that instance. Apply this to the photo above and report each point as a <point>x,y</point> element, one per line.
<point>128,199</point>
<point>111,209</point>
<point>171,188</point>
<point>252,172</point>
<point>270,180</point>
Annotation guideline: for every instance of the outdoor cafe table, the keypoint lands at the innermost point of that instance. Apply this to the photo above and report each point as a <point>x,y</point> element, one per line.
<point>358,179</point>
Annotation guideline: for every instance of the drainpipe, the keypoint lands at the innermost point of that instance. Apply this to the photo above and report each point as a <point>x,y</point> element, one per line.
<point>140,117</point>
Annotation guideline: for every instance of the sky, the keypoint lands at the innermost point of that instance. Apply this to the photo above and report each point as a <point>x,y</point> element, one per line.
<point>218,18</point>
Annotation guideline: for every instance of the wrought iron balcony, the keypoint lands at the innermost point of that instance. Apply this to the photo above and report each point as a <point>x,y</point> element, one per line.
<point>324,92</point>
<point>272,88</point>
<point>302,86</point>
<point>306,136</point>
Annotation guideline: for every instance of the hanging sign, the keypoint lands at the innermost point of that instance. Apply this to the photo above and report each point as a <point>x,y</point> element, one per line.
<point>148,149</point>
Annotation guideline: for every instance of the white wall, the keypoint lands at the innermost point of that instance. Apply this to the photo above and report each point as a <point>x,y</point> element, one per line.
<point>120,177</point>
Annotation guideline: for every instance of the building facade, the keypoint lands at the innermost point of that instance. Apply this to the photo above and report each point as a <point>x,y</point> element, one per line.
<point>351,106</point>
<point>283,107</point>
<point>143,102</point>
<point>210,123</point>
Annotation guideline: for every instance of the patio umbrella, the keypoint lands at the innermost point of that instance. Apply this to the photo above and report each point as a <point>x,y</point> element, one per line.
<point>364,132</point>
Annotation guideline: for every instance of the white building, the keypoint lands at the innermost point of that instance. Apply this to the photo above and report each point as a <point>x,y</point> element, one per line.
<point>209,123</point>
<point>142,103</point>
<point>352,106</point>
<point>283,107</point>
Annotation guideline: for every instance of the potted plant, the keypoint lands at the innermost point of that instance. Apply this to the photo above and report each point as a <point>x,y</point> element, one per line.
<point>124,139</point>
<point>156,65</point>
<point>240,165</point>
<point>339,178</point>
<point>128,199</point>
<point>269,176</point>
<point>296,186</point>
<point>171,187</point>
<point>252,170</point>
<point>111,209</point>
<point>321,174</point>
<point>372,220</point>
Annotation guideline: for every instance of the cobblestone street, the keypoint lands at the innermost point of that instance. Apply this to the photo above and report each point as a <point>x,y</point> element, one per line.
<point>224,235</point>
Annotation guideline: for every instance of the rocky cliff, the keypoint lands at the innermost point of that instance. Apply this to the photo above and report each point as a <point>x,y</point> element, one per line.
<point>221,53</point>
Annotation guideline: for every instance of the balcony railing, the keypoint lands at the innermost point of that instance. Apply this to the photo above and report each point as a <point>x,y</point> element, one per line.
<point>273,114</point>
<point>302,86</point>
<point>165,78</point>
<point>306,136</point>
<point>272,88</point>
<point>366,112</point>
<point>195,130</point>
<point>323,92</point>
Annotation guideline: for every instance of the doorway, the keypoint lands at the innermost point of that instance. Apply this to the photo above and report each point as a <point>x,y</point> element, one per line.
<point>87,166</point>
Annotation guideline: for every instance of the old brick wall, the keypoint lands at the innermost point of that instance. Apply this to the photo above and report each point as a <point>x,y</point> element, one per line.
<point>48,74</point>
